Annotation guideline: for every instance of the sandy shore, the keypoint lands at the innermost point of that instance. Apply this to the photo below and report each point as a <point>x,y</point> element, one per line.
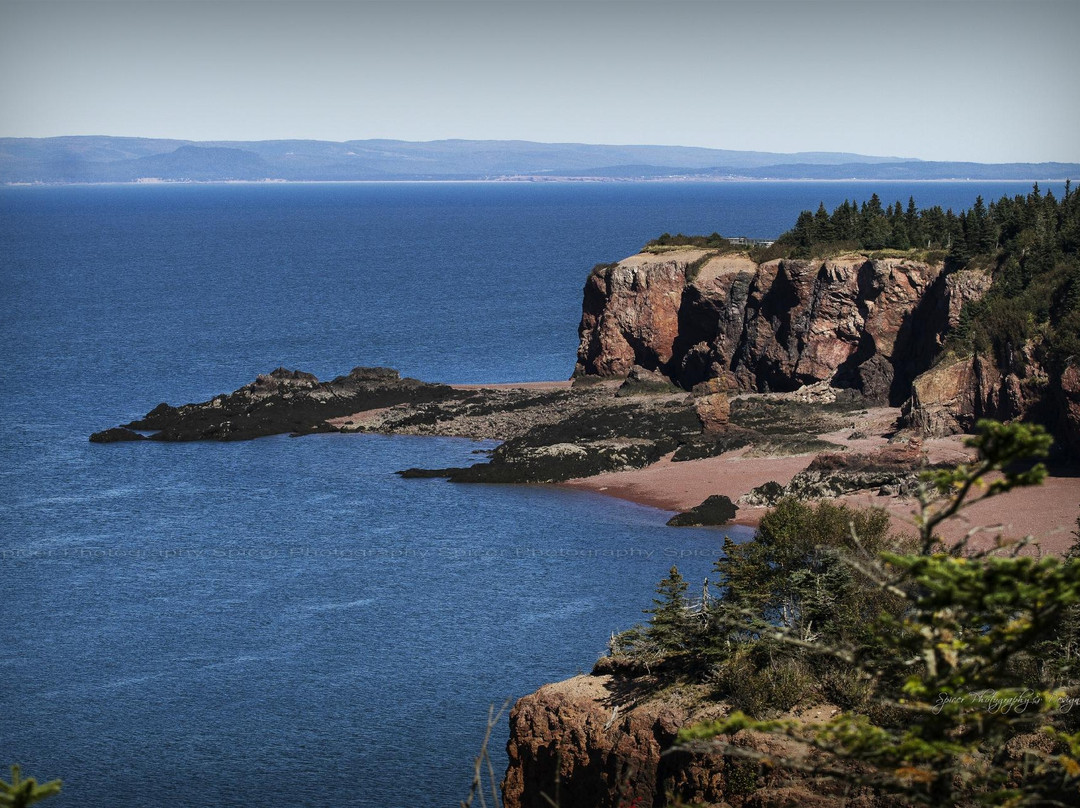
<point>1047,512</point>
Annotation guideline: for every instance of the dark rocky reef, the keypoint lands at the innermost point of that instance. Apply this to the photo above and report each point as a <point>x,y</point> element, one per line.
<point>549,435</point>
<point>284,401</point>
<point>774,425</point>
<point>609,434</point>
<point>117,434</point>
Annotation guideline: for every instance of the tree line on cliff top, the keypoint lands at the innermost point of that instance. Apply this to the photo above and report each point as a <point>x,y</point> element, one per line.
<point>956,674</point>
<point>1030,245</point>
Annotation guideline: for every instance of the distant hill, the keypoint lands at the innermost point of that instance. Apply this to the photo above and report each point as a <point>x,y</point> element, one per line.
<point>119,159</point>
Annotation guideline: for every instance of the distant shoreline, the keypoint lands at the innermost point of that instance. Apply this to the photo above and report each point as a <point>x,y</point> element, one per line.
<point>96,159</point>
<point>535,181</point>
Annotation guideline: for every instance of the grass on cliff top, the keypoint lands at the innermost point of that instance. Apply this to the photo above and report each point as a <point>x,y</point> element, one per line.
<point>839,249</point>
<point>761,255</point>
<point>656,249</point>
<point>667,242</point>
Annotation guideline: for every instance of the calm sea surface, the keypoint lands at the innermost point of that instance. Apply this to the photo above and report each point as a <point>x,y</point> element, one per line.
<point>285,622</point>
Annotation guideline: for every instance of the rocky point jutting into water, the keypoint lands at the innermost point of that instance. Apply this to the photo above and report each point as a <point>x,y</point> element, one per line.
<point>671,343</point>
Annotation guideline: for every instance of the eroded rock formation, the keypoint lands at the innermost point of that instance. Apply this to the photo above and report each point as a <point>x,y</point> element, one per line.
<point>873,325</point>
<point>868,324</point>
<point>1069,405</point>
<point>602,741</point>
<point>954,394</point>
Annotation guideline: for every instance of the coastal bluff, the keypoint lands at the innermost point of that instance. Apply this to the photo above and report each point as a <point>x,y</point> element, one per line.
<point>874,325</point>
<point>870,324</point>
<point>817,378</point>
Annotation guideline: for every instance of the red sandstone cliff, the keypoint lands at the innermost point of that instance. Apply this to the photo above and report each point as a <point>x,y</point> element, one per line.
<point>871,324</point>
<point>603,741</point>
<point>1069,405</point>
<point>875,325</point>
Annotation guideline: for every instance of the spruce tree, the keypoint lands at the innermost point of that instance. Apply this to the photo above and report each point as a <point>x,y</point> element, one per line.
<point>19,793</point>
<point>669,624</point>
<point>823,228</point>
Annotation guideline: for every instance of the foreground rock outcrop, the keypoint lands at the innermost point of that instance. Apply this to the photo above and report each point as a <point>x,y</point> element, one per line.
<point>869,324</point>
<point>604,741</point>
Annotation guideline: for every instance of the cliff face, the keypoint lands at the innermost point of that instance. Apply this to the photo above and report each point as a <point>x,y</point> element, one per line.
<point>601,741</point>
<point>630,314</point>
<point>953,395</point>
<point>873,325</point>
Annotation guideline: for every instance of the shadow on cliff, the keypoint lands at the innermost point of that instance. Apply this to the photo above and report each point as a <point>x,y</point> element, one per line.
<point>888,379</point>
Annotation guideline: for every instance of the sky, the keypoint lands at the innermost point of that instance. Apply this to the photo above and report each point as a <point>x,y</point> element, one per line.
<point>963,80</point>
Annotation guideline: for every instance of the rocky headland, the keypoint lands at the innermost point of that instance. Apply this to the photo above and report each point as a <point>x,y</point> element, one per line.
<point>872,325</point>
<point>700,364</point>
<point>865,324</point>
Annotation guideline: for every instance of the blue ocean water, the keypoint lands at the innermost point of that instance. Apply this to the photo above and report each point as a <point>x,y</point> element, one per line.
<point>285,621</point>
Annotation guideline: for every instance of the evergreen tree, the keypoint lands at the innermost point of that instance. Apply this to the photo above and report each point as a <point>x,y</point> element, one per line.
<point>913,225</point>
<point>823,232</point>
<point>981,236</point>
<point>874,229</point>
<point>668,627</point>
<point>801,236</point>
<point>844,221</point>
<point>20,793</point>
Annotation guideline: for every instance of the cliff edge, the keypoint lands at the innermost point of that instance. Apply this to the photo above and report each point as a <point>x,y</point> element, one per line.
<point>604,741</point>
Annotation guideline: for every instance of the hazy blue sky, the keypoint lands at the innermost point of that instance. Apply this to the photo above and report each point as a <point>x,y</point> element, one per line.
<point>972,80</point>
